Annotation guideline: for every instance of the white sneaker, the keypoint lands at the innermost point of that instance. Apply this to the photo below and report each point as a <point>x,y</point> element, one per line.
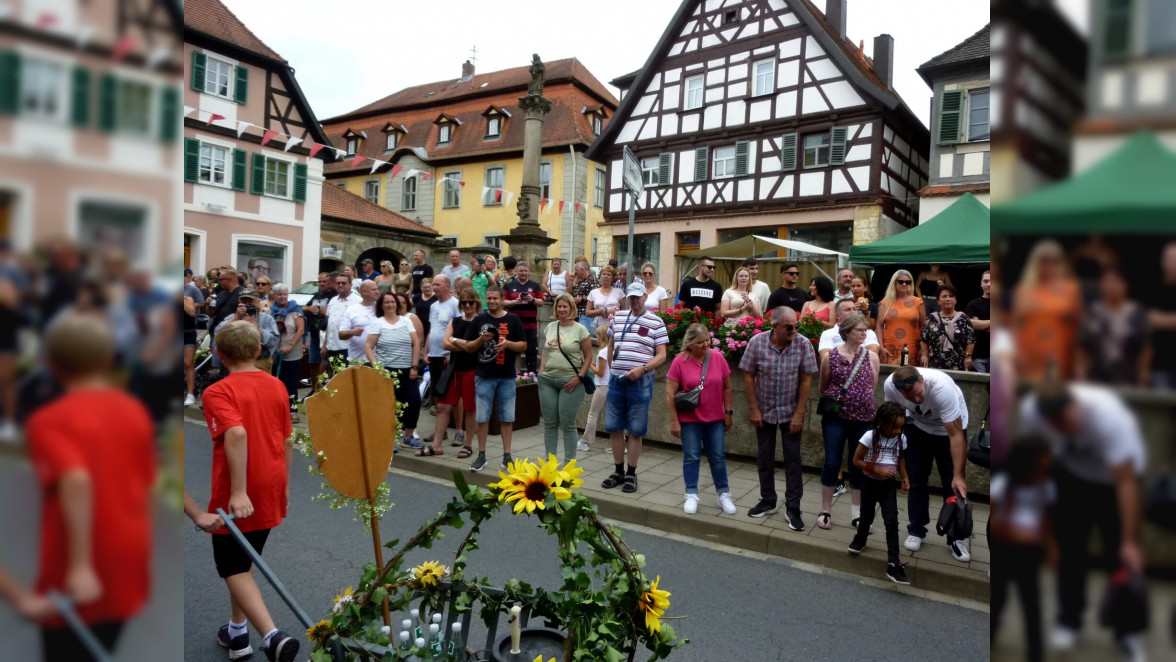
<point>726,504</point>
<point>691,505</point>
<point>8,432</point>
<point>582,447</point>
<point>1063,639</point>
<point>1131,648</point>
<point>189,400</point>
<point>913,543</point>
<point>959,551</point>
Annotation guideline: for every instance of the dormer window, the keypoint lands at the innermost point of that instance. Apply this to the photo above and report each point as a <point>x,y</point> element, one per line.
<point>391,141</point>
<point>597,125</point>
<point>495,121</point>
<point>353,139</point>
<point>352,146</point>
<point>446,125</point>
<point>392,135</point>
<point>445,135</point>
<point>595,118</point>
<point>493,127</point>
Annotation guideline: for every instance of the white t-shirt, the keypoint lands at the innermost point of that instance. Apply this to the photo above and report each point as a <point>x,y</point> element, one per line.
<point>602,301</point>
<point>1025,505</point>
<point>888,450</point>
<point>831,338</point>
<point>602,355</point>
<point>760,293</point>
<point>358,316</point>
<point>335,311</point>
<point>944,402</point>
<point>653,299</point>
<point>1108,434</point>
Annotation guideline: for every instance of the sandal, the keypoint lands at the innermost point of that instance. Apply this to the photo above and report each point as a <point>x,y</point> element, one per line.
<point>465,452</point>
<point>823,521</point>
<point>630,484</point>
<point>612,481</point>
<point>428,451</point>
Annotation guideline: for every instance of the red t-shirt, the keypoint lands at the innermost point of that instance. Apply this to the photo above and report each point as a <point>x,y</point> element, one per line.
<point>108,434</point>
<point>688,374</point>
<point>259,403</point>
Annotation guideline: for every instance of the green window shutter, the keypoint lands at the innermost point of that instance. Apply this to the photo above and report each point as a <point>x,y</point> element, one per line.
<point>169,114</point>
<point>1117,30</point>
<point>258,174</point>
<point>9,82</point>
<point>788,152</point>
<point>701,163</point>
<point>950,106</point>
<point>664,176</point>
<point>107,102</point>
<point>240,169</point>
<point>742,151</point>
<point>837,146</point>
<point>79,113</point>
<point>199,62</point>
<point>299,182</point>
<point>191,159</point>
<point>241,89</point>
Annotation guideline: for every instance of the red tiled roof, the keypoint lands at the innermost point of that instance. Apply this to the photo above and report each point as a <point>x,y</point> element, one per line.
<point>214,19</point>
<point>345,205</point>
<point>439,93</point>
<point>564,125</point>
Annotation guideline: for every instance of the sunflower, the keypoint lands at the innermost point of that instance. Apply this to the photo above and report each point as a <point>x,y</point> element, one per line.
<point>343,599</point>
<point>570,474</point>
<point>654,603</point>
<point>319,631</point>
<point>429,573</point>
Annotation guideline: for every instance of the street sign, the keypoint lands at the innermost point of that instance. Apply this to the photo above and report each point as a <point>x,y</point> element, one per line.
<point>631,168</point>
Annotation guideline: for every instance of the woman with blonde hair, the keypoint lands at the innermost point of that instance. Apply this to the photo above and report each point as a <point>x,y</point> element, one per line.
<point>384,280</point>
<point>606,299</point>
<point>737,302</point>
<point>654,294</point>
<point>402,281</point>
<point>1047,310</point>
<point>563,370</point>
<point>901,316</point>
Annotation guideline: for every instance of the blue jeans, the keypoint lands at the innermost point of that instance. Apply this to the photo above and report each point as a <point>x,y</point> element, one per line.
<point>588,322</point>
<point>708,437</point>
<point>628,404</point>
<point>486,389</point>
<point>316,355</point>
<point>839,434</point>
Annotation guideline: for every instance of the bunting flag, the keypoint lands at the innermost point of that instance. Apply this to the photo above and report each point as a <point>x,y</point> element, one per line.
<point>292,142</point>
<point>122,47</point>
<point>214,117</point>
<point>509,196</point>
<point>410,173</point>
<point>314,148</point>
<point>542,203</point>
<point>577,208</point>
<point>427,175</point>
<point>84,35</point>
<point>158,56</point>
<point>462,182</point>
<point>241,126</point>
<point>269,135</point>
<point>561,204</point>
<point>497,196</point>
<point>356,161</point>
<point>188,110</point>
<point>396,170</point>
<point>45,20</point>
<point>376,164</point>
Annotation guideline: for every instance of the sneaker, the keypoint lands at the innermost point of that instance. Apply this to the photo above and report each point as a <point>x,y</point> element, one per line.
<point>857,545</point>
<point>412,443</point>
<point>458,438</point>
<point>479,463</point>
<point>238,646</point>
<point>959,551</point>
<point>189,400</point>
<point>7,431</point>
<point>1063,639</point>
<point>896,572</point>
<point>792,516</point>
<point>913,543</point>
<point>295,418</point>
<point>281,648</point>
<point>691,505</point>
<point>726,504</point>
<point>582,447</point>
<point>854,524</point>
<point>762,508</point>
<point>506,460</point>
<point>1130,648</point>
<point>838,490</point>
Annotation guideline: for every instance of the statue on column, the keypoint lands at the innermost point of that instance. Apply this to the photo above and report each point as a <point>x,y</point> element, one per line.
<point>538,75</point>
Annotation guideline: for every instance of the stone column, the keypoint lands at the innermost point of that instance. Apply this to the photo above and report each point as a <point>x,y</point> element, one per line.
<point>527,241</point>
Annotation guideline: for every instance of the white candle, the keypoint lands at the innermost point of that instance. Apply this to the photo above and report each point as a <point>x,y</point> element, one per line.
<point>515,630</point>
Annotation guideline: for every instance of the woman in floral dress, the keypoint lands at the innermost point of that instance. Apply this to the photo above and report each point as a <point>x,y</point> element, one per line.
<point>948,336</point>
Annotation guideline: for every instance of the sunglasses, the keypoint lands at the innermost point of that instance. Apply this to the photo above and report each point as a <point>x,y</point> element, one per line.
<point>788,327</point>
<point>904,384</point>
<point>903,282</point>
<point>468,303</point>
<point>791,273</point>
<point>706,266</point>
<point>647,273</point>
<point>260,284</point>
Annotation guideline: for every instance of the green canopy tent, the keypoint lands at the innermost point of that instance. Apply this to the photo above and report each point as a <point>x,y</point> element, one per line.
<point>956,235</point>
<point>1133,190</point>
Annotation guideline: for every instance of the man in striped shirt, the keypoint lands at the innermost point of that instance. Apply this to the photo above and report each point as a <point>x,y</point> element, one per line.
<point>637,346</point>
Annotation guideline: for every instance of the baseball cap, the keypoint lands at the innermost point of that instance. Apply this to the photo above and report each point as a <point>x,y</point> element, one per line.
<point>249,294</point>
<point>635,289</point>
<point>612,262</point>
<point>367,261</point>
<point>187,271</point>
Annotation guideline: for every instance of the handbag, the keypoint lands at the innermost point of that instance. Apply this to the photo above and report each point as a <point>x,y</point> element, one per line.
<point>442,382</point>
<point>689,400</point>
<point>831,404</point>
<point>589,385</point>
<point>980,446</point>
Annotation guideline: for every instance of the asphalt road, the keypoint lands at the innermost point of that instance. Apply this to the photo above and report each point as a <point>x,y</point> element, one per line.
<point>737,606</point>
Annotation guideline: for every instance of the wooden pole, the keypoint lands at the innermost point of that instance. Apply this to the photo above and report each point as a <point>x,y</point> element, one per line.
<point>371,495</point>
<point>379,558</point>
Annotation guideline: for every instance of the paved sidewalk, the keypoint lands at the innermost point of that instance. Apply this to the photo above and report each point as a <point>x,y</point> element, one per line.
<point>661,492</point>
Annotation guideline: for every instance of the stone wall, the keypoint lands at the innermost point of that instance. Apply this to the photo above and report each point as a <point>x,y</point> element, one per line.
<point>357,238</point>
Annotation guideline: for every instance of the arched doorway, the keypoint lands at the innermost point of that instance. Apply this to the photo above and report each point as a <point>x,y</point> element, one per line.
<point>377,255</point>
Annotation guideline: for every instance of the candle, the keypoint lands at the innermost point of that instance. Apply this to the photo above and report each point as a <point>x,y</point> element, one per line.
<point>515,631</point>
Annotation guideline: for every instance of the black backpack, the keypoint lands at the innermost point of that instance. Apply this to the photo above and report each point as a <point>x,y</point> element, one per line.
<point>955,518</point>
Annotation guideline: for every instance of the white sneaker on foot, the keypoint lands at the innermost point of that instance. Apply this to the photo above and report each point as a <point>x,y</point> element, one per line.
<point>582,447</point>
<point>959,551</point>
<point>1063,639</point>
<point>189,400</point>
<point>726,504</point>
<point>691,505</point>
<point>913,543</point>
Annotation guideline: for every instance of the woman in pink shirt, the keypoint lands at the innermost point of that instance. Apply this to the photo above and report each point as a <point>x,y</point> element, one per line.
<point>704,428</point>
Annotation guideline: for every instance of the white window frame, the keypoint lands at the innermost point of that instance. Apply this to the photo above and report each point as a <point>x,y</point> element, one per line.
<point>57,88</point>
<point>151,223</point>
<point>488,198</point>
<point>230,76</point>
<point>226,166</point>
<point>804,149</point>
<point>289,178</point>
<point>723,163</point>
<point>764,82</point>
<point>288,254</point>
<point>409,182</point>
<point>550,169</point>
<point>968,115</point>
<point>391,141</point>
<point>368,184</point>
<point>597,125</point>
<point>687,92</point>
<point>599,188</point>
<point>649,171</point>
<point>444,134</point>
<point>352,146</point>
<point>451,186</point>
<point>493,127</point>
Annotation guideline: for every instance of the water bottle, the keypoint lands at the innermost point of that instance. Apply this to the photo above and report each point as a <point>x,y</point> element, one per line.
<point>405,643</point>
<point>456,650</point>
<point>435,640</point>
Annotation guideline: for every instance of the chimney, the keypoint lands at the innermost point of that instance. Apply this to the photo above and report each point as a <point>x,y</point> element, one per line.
<point>884,59</point>
<point>835,15</point>
<point>467,69</point>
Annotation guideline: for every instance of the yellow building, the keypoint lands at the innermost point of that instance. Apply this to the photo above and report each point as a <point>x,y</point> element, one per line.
<point>450,155</point>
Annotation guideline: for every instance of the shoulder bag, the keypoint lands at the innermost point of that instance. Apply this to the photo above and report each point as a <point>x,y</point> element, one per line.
<point>589,385</point>
<point>688,400</point>
<point>831,404</point>
<point>980,446</point>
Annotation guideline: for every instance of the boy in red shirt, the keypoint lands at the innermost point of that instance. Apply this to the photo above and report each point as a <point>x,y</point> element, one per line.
<point>93,451</point>
<point>248,415</point>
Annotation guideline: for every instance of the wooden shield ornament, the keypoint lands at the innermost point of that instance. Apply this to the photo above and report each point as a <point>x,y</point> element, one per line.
<point>355,428</point>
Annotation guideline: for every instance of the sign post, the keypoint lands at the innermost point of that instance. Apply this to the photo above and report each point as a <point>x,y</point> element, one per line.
<point>636,186</point>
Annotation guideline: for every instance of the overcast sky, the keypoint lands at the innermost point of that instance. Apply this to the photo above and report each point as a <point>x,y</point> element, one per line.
<point>348,53</point>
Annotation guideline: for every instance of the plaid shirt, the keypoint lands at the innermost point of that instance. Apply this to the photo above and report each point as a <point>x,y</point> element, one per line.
<point>582,289</point>
<point>777,374</point>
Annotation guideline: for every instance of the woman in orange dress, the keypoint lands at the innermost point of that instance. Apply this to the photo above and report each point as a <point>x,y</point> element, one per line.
<point>901,315</point>
<point>1047,308</point>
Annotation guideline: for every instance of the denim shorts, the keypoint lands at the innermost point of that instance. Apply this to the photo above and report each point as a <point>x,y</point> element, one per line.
<point>487,389</point>
<point>628,404</point>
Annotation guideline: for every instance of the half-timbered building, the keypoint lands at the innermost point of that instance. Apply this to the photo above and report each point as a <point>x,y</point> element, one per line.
<point>762,116</point>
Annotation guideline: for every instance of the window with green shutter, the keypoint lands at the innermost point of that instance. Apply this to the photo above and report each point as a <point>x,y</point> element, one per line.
<point>169,114</point>
<point>107,102</point>
<point>80,97</point>
<point>664,163</point>
<point>9,82</point>
<point>191,159</point>
<point>299,182</point>
<point>258,179</point>
<point>742,154</point>
<point>241,89</point>
<point>951,103</point>
<point>788,146</point>
<point>1117,29</point>
<point>198,63</point>
<point>240,169</point>
<point>701,163</point>
<point>837,149</point>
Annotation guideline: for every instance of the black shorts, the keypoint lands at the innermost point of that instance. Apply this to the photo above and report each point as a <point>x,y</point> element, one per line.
<point>230,558</point>
<point>189,337</point>
<point>62,645</point>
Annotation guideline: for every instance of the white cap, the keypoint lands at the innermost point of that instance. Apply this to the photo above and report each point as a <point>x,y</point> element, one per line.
<point>635,289</point>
